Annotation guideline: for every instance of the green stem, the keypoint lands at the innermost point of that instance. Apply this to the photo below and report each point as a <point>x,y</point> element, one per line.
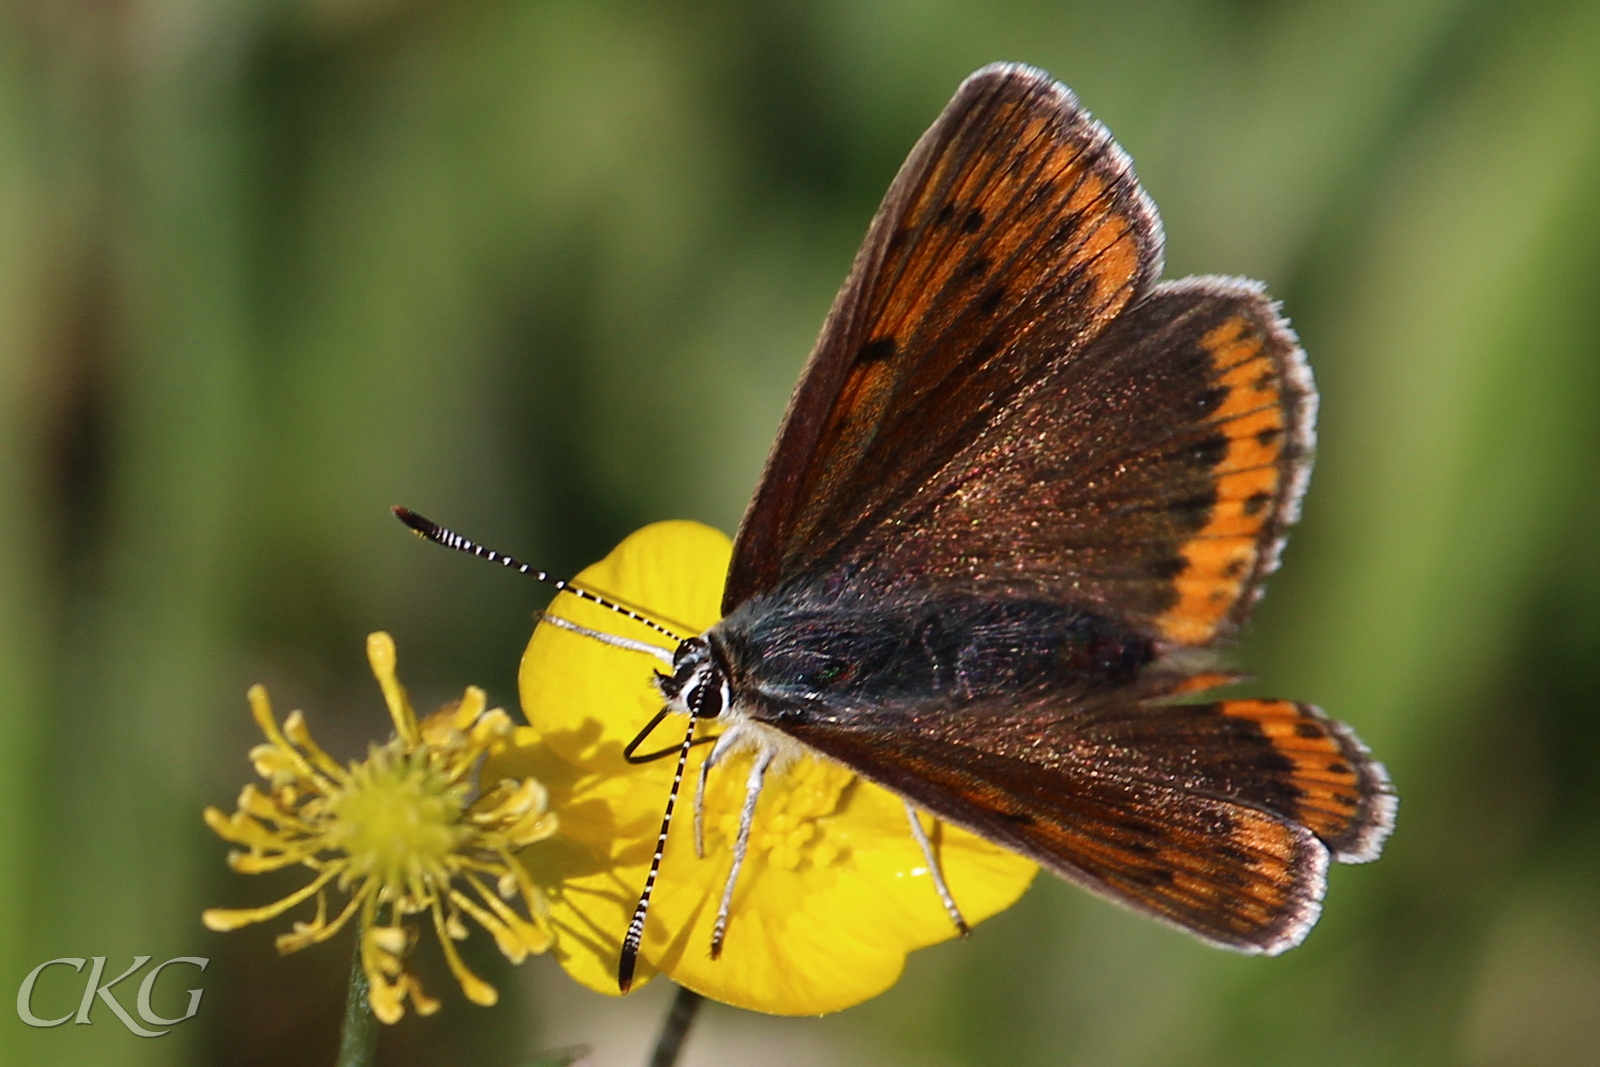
<point>358,1036</point>
<point>676,1028</point>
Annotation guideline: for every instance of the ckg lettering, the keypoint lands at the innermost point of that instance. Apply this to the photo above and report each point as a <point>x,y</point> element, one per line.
<point>98,989</point>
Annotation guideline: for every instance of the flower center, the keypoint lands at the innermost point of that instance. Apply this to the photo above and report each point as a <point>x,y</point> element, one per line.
<point>792,822</point>
<point>398,820</point>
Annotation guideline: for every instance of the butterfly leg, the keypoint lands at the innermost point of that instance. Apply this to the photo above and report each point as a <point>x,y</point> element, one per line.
<point>934,869</point>
<point>662,654</point>
<point>758,773</point>
<point>724,745</point>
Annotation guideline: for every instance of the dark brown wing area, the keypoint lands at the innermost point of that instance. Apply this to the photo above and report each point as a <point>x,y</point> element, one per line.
<point>1012,235</point>
<point>1218,818</point>
<point>1283,755</point>
<point>1151,477</point>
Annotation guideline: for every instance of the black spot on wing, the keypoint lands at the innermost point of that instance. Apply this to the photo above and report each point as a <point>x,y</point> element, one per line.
<point>1209,452</point>
<point>1211,400</point>
<point>1167,567</point>
<point>877,350</point>
<point>991,301</point>
<point>1275,762</point>
<point>1195,508</point>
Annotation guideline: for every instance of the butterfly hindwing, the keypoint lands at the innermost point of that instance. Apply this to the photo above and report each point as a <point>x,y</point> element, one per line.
<point>1012,235</point>
<point>1150,477</point>
<point>1281,755</point>
<point>1225,854</point>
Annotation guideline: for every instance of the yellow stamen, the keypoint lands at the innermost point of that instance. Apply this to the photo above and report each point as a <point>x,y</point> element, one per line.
<point>224,919</point>
<point>393,831</point>
<point>477,990</point>
<point>381,655</point>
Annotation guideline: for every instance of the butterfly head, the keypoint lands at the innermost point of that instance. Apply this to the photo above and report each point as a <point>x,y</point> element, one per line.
<point>698,684</point>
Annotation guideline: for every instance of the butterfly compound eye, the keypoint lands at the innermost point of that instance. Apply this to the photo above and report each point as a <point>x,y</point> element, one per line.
<point>706,698</point>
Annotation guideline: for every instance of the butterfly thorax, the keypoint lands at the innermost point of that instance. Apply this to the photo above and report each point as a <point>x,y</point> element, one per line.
<point>801,652</point>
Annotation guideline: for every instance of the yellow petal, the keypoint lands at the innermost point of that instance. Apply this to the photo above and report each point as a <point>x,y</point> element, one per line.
<point>834,930</point>
<point>582,695</point>
<point>835,891</point>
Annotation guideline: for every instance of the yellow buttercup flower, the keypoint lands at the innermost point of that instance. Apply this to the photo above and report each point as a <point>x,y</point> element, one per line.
<point>400,833</point>
<point>834,891</point>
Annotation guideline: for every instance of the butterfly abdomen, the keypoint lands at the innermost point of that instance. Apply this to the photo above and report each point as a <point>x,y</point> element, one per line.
<point>792,649</point>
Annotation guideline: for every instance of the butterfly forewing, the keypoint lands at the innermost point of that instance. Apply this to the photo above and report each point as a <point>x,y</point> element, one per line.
<point>1013,234</point>
<point>1150,476</point>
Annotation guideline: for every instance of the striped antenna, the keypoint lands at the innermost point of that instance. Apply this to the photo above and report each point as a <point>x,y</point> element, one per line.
<point>634,938</point>
<point>439,535</point>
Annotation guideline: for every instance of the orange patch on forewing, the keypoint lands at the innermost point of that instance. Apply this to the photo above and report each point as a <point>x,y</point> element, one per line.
<point>1327,778</point>
<point>1220,560</point>
<point>1110,255</point>
<point>1032,184</point>
<point>860,406</point>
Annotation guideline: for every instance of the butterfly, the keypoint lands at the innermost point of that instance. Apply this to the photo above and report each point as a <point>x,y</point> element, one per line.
<point>1022,493</point>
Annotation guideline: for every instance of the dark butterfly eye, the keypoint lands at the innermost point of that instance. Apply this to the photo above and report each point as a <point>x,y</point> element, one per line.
<point>705,700</point>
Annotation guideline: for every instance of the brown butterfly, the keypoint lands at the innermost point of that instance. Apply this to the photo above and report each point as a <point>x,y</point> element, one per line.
<point>1021,489</point>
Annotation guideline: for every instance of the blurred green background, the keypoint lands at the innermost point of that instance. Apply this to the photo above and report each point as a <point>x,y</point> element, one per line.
<point>547,270</point>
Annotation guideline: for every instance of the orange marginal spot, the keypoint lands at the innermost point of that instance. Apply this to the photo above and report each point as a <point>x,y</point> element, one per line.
<point>1252,385</point>
<point>1239,516</point>
<point>1240,488</point>
<point>1209,557</point>
<point>1253,440</point>
<point>1220,560</point>
<point>1327,781</point>
<point>1231,342</point>
<point>1088,190</point>
<point>1111,256</point>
